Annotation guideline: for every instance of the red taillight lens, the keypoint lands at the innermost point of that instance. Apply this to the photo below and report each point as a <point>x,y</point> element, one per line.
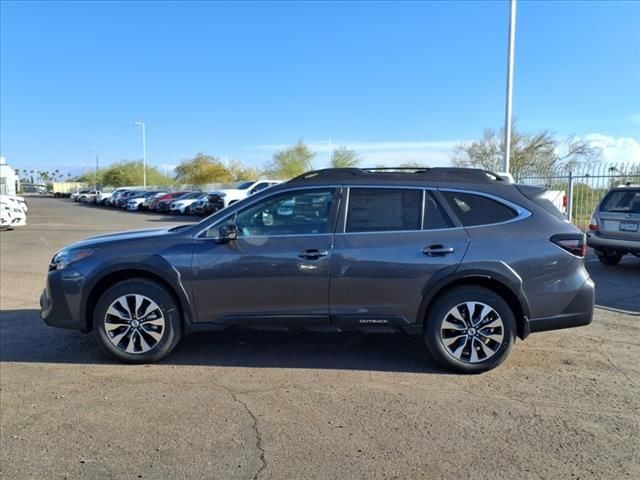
<point>593,227</point>
<point>564,200</point>
<point>573,243</point>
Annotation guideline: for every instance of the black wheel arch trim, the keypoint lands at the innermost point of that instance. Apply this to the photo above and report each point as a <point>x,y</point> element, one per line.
<point>490,273</point>
<point>153,267</point>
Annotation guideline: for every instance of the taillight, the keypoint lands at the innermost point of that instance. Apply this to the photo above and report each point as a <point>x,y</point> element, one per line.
<point>564,200</point>
<point>593,225</point>
<point>573,243</point>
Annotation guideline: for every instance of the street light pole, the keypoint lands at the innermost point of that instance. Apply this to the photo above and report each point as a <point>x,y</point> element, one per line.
<point>95,175</point>
<point>507,114</point>
<point>144,153</point>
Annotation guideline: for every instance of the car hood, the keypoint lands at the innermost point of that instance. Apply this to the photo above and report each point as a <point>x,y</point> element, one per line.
<point>120,236</point>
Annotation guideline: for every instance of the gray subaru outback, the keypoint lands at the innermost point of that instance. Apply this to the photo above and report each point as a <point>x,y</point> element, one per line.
<point>462,257</point>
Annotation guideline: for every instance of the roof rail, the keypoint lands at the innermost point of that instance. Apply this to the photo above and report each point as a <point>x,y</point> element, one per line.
<point>442,174</point>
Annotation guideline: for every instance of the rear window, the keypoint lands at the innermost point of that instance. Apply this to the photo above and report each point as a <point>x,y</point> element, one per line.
<point>627,201</point>
<point>384,209</point>
<point>475,210</point>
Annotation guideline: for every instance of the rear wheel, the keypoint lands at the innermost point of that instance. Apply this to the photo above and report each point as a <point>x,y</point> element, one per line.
<point>137,321</point>
<point>609,258</point>
<point>470,329</point>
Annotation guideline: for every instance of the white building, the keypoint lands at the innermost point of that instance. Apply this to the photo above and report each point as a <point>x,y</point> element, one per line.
<point>8,178</point>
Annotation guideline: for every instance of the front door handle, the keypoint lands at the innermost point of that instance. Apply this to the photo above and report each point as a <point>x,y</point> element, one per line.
<point>437,250</point>
<point>313,254</point>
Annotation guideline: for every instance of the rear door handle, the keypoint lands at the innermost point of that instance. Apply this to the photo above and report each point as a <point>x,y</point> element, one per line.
<point>437,250</point>
<point>313,254</point>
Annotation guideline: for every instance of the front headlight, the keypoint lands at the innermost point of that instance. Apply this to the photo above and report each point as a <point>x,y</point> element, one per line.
<point>64,258</point>
<point>221,194</point>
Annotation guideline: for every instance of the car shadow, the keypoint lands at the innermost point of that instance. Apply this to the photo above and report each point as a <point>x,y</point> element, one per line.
<point>25,338</point>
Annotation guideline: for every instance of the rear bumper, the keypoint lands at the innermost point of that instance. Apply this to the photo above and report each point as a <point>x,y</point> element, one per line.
<point>599,242</point>
<point>578,313</point>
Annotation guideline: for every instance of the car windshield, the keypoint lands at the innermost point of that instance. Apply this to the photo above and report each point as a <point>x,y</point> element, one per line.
<point>627,201</point>
<point>244,185</point>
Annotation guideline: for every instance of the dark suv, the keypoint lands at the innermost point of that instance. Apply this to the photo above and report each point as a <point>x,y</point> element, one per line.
<point>460,256</point>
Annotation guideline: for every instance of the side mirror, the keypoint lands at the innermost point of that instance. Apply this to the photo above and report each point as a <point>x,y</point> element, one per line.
<point>227,232</point>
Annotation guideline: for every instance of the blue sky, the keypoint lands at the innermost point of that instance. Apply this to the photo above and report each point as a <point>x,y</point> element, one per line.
<point>396,81</point>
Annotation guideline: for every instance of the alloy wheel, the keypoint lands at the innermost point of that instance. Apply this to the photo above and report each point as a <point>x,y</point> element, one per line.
<point>134,324</point>
<point>472,332</point>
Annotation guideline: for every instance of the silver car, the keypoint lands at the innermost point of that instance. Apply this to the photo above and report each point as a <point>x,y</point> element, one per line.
<point>614,229</point>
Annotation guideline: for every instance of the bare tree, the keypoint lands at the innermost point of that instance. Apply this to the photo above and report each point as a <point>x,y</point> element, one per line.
<point>539,152</point>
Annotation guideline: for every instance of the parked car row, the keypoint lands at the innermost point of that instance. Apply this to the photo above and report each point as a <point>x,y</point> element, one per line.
<point>175,202</point>
<point>13,212</point>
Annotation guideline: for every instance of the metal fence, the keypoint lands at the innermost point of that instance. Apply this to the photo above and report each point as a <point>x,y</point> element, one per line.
<point>583,184</point>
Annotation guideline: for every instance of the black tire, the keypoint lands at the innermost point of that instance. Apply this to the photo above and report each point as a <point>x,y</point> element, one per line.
<point>187,210</point>
<point>435,334</point>
<point>170,333</point>
<point>609,259</point>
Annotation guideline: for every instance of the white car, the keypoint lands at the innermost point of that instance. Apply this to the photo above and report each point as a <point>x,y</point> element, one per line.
<point>15,201</point>
<point>5,217</point>
<point>12,216</point>
<point>184,204</point>
<point>103,198</point>
<point>135,203</point>
<point>229,196</point>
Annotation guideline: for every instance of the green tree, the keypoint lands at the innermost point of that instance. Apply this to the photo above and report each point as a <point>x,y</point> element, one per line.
<point>203,169</point>
<point>343,157</point>
<point>127,173</point>
<point>242,173</point>
<point>530,153</point>
<point>412,164</point>
<point>291,161</point>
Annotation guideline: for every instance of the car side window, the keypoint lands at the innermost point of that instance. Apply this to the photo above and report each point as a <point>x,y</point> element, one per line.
<point>302,212</point>
<point>434,215</point>
<point>473,210</point>
<point>384,209</point>
<point>259,186</point>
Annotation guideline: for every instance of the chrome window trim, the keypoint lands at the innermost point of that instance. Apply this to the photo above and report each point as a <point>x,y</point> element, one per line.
<point>424,208</point>
<point>378,232</point>
<point>197,235</point>
<point>521,213</point>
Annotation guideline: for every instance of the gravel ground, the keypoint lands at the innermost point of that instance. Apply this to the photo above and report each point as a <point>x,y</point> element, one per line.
<point>565,405</point>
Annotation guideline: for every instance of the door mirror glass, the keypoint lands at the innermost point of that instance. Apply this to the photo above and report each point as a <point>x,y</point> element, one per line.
<point>227,232</point>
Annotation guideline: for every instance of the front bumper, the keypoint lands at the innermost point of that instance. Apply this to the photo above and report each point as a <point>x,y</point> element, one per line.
<point>599,242</point>
<point>60,304</point>
<point>578,313</point>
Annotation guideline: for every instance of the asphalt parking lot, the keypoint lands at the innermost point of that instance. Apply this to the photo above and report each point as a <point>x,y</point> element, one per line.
<point>253,405</point>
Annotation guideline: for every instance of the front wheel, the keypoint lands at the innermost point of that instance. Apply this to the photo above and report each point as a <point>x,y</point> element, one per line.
<point>470,329</point>
<point>137,321</point>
